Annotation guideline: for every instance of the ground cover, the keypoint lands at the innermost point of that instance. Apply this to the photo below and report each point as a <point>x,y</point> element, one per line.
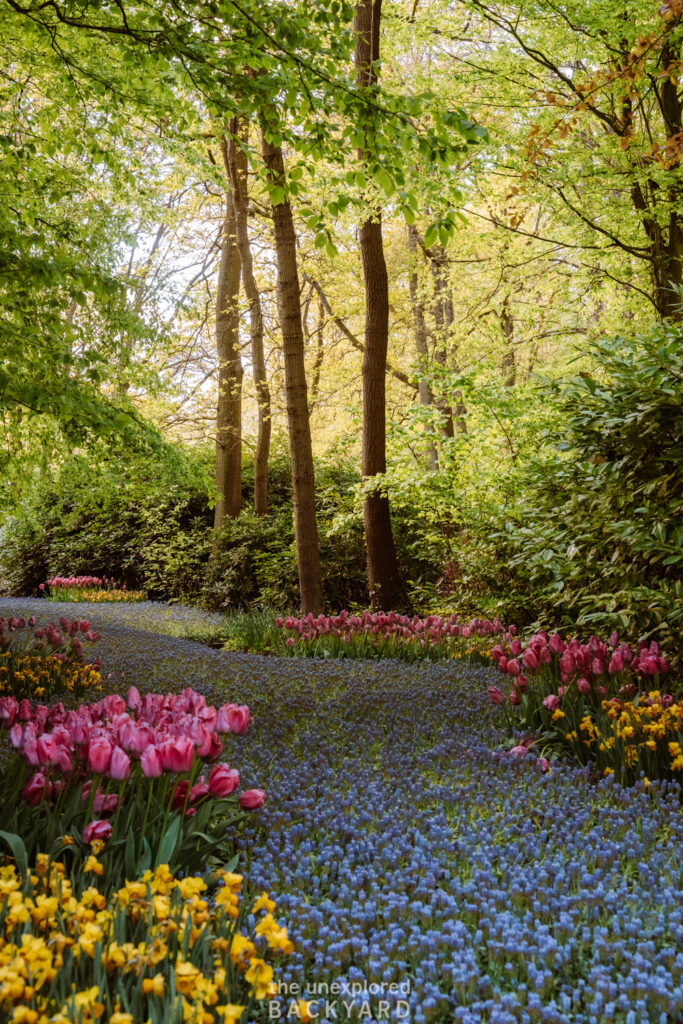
<point>407,848</point>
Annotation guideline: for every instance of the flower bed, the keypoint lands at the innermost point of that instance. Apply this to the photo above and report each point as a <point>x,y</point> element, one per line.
<point>93,589</point>
<point>159,949</point>
<point>409,851</point>
<point>144,765</point>
<point>46,662</point>
<point>388,635</point>
<point>596,701</point>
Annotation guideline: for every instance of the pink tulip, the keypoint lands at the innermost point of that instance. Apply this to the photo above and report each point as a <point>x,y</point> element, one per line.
<point>233,718</point>
<point>97,830</point>
<point>519,751</point>
<point>150,762</point>
<point>8,711</point>
<point>530,660</point>
<point>223,780</point>
<point>177,754</point>
<point>105,804</point>
<point>514,668</point>
<point>215,749</point>
<point>133,698</point>
<point>252,799</point>
<point>198,792</point>
<point>47,749</point>
<point>495,695</point>
<point>514,697</point>
<point>583,686</point>
<point>516,647</point>
<point>119,768</point>
<point>616,663</point>
<point>551,702</point>
<point>99,755</point>
<point>543,763</point>
<point>503,663</point>
<point>556,644</point>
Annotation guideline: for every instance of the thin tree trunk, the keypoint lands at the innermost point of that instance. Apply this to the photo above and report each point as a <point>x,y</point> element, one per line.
<point>508,363</point>
<point>417,305</point>
<point>229,407</point>
<point>303,480</point>
<point>240,193</point>
<point>383,573</point>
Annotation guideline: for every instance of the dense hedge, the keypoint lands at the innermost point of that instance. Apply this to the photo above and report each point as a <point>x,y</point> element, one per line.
<point>148,522</point>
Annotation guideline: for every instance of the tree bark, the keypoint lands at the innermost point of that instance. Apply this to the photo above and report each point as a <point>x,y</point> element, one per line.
<point>228,477</point>
<point>303,480</point>
<point>240,194</point>
<point>420,324</point>
<point>508,363</point>
<point>383,572</point>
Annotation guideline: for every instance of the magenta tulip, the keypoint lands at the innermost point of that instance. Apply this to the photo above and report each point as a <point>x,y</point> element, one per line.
<point>177,754</point>
<point>119,768</point>
<point>233,718</point>
<point>495,695</point>
<point>36,790</point>
<point>99,755</point>
<point>514,667</point>
<point>252,799</point>
<point>530,660</point>
<point>97,830</point>
<point>223,780</point>
<point>47,749</point>
<point>150,762</point>
<point>583,686</point>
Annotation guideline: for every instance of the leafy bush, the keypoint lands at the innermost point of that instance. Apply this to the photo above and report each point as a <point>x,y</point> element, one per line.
<point>148,523</point>
<point>594,537</point>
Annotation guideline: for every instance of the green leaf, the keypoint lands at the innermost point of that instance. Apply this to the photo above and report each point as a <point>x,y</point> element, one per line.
<point>169,842</point>
<point>16,845</point>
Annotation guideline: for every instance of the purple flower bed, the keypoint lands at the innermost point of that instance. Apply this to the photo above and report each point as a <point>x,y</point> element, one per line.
<point>408,848</point>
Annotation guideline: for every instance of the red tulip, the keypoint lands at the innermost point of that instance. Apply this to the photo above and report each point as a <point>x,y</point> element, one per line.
<point>37,789</point>
<point>583,686</point>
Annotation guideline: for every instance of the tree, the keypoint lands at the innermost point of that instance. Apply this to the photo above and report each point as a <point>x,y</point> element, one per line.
<point>383,572</point>
<point>289,305</point>
<point>228,477</point>
<point>601,135</point>
<point>240,195</point>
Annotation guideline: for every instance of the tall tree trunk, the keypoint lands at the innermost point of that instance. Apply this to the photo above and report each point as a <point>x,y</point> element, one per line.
<point>443,350</point>
<point>417,305</point>
<point>508,364</point>
<point>229,408</point>
<point>383,573</point>
<point>240,193</point>
<point>303,480</point>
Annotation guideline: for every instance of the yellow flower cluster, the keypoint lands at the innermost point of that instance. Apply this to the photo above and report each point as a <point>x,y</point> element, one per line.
<point>645,734</point>
<point>95,595</point>
<point>40,677</point>
<point>154,941</point>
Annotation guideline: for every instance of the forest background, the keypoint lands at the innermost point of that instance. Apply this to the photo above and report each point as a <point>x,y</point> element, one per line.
<point>241,242</point>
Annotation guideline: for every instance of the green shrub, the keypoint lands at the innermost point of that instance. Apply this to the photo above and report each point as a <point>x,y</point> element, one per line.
<point>595,537</point>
